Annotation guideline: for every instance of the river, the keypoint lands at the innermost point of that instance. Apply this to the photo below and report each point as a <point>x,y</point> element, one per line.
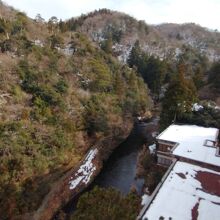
<point>120,169</point>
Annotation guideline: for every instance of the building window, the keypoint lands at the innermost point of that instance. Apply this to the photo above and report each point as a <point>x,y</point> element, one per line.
<point>209,143</point>
<point>164,161</point>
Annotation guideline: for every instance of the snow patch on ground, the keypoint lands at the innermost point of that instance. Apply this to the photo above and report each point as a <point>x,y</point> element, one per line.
<point>154,134</point>
<point>152,148</point>
<point>196,107</point>
<point>213,106</point>
<point>144,199</point>
<point>85,171</point>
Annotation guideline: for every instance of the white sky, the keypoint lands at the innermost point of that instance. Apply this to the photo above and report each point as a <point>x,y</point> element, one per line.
<point>203,12</point>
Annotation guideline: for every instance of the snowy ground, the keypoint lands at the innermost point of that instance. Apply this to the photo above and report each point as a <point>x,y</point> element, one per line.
<point>144,199</point>
<point>85,171</point>
<point>152,148</point>
<point>189,192</point>
<point>196,107</point>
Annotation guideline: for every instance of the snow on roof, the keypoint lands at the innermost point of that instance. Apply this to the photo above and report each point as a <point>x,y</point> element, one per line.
<point>192,141</point>
<point>189,192</point>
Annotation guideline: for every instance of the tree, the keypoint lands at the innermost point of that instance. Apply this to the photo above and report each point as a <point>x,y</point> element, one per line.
<point>4,26</point>
<point>55,41</point>
<point>152,69</point>
<point>52,24</point>
<point>198,78</point>
<point>154,74</point>
<point>62,26</point>
<point>214,75</point>
<point>178,100</point>
<point>119,84</point>
<point>116,206</point>
<point>106,45</point>
<point>95,115</point>
<point>102,77</point>
<point>19,25</point>
<point>135,54</point>
<point>39,19</point>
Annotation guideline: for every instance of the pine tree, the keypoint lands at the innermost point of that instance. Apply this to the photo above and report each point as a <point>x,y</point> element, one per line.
<point>119,84</point>
<point>178,99</point>
<point>214,75</point>
<point>135,54</point>
<point>107,44</point>
<point>154,74</point>
<point>198,78</point>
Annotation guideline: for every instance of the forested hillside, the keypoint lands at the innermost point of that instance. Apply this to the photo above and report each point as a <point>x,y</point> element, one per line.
<point>59,93</point>
<point>64,85</point>
<point>165,41</point>
<point>154,50</point>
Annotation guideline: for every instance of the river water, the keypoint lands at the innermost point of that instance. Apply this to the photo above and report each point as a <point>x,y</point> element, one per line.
<point>120,169</point>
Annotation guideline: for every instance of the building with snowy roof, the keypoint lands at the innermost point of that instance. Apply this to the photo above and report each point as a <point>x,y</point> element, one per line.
<point>189,192</point>
<point>190,189</point>
<point>190,143</point>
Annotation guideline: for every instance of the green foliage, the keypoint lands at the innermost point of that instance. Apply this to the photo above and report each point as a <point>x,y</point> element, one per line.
<point>106,45</point>
<point>51,108</point>
<point>96,115</point>
<point>207,117</point>
<point>135,55</point>
<point>198,78</point>
<point>41,111</point>
<point>214,75</point>
<point>154,74</point>
<point>61,86</point>
<point>114,32</point>
<point>6,27</point>
<point>149,170</point>
<point>31,82</point>
<point>193,60</point>
<point>49,95</point>
<point>3,26</point>
<point>27,152</point>
<point>18,93</point>
<point>105,204</point>
<point>152,69</point>
<point>19,24</point>
<point>52,24</point>
<point>101,76</point>
<point>55,41</point>
<point>143,27</point>
<point>178,100</point>
<point>6,45</point>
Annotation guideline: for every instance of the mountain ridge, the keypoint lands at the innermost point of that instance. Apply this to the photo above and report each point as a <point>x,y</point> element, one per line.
<point>164,40</point>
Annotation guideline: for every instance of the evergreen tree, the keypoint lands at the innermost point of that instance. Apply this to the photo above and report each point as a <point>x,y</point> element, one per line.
<point>117,206</point>
<point>39,19</point>
<point>198,78</point>
<point>135,55</point>
<point>119,84</point>
<point>178,99</point>
<point>152,69</point>
<point>106,45</point>
<point>214,75</point>
<point>154,74</point>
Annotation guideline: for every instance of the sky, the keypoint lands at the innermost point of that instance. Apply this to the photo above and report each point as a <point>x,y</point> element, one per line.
<point>203,12</point>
